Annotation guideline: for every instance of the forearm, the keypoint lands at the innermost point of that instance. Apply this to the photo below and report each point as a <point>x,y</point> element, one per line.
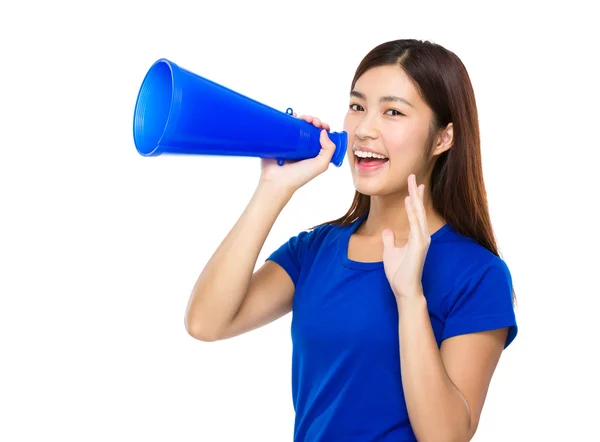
<point>222,284</point>
<point>437,409</point>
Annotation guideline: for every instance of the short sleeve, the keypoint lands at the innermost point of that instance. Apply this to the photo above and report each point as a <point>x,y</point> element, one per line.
<point>292,254</point>
<point>484,301</point>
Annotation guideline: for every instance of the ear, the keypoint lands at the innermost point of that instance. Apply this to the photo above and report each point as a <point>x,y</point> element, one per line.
<point>444,140</point>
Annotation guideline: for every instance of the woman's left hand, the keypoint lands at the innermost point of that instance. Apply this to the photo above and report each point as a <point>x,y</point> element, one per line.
<point>404,265</point>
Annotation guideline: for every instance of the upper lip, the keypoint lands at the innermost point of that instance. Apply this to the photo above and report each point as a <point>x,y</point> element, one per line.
<point>366,149</point>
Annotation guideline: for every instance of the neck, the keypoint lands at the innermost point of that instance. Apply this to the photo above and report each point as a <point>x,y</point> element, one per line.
<point>389,212</point>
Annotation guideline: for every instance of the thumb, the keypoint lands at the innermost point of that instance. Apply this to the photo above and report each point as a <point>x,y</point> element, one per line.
<point>327,146</point>
<point>387,236</point>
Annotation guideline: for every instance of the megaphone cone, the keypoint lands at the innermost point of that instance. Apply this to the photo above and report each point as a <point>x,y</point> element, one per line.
<point>179,112</point>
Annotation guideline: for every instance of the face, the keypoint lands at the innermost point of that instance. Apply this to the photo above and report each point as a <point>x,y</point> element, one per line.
<point>388,126</point>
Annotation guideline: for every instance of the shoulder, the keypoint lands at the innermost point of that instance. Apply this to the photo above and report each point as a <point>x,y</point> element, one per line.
<point>301,248</point>
<point>469,271</point>
<point>479,287</point>
<point>307,242</point>
<point>321,235</point>
<point>465,259</point>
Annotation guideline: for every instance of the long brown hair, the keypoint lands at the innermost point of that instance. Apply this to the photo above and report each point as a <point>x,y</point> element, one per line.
<point>457,187</point>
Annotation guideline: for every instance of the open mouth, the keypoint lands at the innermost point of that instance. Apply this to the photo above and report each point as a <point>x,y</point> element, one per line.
<point>366,161</point>
<point>369,158</point>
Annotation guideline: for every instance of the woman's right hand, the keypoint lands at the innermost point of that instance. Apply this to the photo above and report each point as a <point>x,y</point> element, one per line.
<point>295,174</point>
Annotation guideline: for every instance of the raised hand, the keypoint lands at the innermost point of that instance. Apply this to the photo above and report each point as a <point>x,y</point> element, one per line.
<point>404,265</point>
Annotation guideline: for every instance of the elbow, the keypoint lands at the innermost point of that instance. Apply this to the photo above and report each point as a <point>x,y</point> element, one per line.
<point>457,434</point>
<point>448,436</point>
<point>449,433</point>
<point>199,333</point>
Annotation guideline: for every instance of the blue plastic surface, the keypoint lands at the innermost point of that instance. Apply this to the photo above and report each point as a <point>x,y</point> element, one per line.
<point>179,112</point>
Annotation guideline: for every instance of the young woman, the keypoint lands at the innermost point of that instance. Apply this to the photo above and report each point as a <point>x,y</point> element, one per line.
<point>401,307</point>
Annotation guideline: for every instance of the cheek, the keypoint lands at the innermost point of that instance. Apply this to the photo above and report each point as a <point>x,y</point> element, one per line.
<point>349,127</point>
<point>406,157</point>
<point>398,145</point>
<point>405,145</point>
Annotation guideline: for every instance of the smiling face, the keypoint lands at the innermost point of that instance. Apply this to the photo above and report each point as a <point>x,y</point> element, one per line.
<point>388,126</point>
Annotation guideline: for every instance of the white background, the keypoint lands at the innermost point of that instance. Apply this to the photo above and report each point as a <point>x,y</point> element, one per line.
<point>100,247</point>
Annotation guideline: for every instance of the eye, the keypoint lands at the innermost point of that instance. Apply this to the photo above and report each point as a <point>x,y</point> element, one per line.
<point>395,112</point>
<point>356,107</point>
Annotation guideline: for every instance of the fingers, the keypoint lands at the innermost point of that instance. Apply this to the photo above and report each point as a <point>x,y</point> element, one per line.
<point>423,217</point>
<point>320,124</point>
<point>315,121</point>
<point>416,207</point>
<point>415,228</point>
<point>323,158</point>
<point>327,146</point>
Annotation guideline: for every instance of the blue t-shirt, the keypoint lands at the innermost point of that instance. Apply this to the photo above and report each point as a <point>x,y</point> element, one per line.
<point>346,380</point>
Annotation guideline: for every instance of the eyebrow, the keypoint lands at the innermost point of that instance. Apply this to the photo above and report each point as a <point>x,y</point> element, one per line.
<point>385,99</point>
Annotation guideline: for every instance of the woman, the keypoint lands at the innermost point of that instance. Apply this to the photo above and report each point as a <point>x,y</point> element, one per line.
<point>402,307</point>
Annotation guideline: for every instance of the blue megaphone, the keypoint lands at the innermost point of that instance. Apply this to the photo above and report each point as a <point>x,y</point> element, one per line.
<point>179,112</point>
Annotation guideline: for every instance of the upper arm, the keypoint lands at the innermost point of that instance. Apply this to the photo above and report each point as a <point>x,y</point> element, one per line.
<point>271,290</point>
<point>470,361</point>
<point>480,324</point>
<point>269,297</point>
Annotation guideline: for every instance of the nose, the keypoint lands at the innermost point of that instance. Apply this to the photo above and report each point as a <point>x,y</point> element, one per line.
<point>367,128</point>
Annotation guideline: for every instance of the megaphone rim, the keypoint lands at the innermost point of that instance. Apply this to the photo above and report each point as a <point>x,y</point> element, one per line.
<point>172,114</point>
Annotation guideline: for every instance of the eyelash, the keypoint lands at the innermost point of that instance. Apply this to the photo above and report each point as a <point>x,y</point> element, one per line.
<point>398,113</point>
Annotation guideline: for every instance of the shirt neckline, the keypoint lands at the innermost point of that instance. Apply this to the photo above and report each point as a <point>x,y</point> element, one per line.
<point>373,265</point>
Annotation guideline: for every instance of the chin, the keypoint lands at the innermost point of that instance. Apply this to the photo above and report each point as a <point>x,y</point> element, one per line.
<point>369,187</point>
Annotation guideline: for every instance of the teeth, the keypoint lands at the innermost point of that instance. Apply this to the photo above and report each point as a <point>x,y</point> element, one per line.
<point>361,154</point>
